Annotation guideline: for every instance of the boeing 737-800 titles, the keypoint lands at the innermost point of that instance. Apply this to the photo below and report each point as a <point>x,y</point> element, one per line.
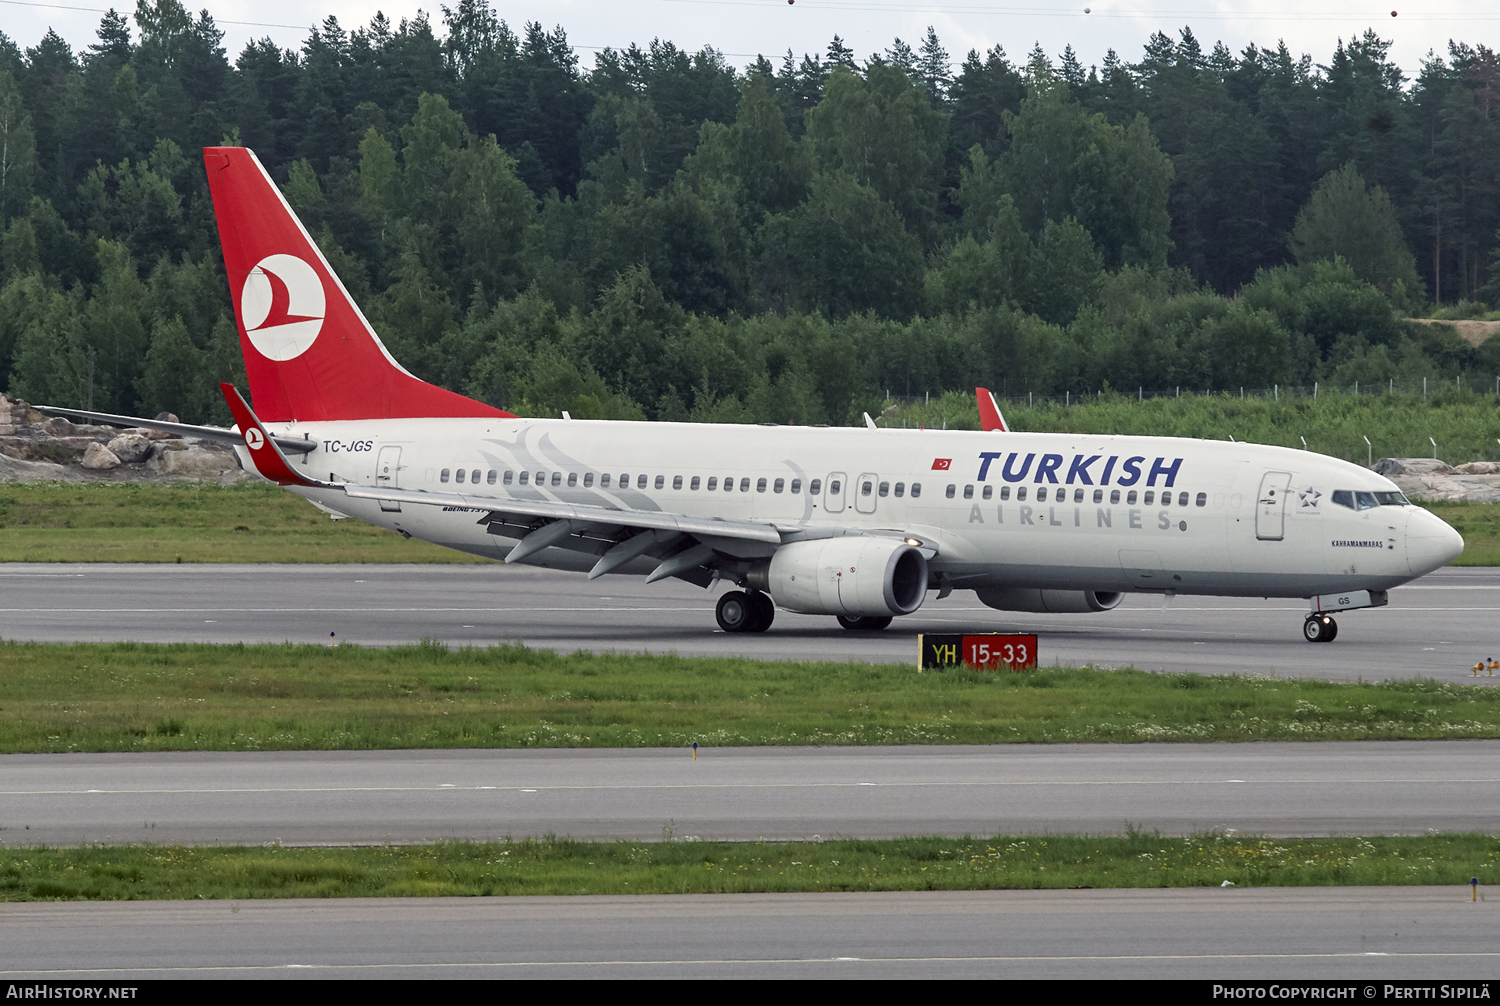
<point>860,524</point>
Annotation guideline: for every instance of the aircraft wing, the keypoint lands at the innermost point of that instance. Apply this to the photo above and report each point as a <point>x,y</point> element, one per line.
<point>218,434</point>
<point>652,520</point>
<point>683,546</point>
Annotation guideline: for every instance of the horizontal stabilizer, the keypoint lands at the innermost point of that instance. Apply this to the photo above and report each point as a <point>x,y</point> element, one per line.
<point>217,434</point>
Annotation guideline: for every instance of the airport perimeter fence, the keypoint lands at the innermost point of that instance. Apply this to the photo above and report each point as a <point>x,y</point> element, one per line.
<point>1275,393</point>
<point>1464,429</point>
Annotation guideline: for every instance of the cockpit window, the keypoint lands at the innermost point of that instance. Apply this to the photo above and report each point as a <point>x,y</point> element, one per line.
<point>1367,501</point>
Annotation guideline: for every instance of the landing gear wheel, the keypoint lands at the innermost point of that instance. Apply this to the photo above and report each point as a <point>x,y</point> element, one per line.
<point>764,610</point>
<point>864,623</point>
<point>735,612</point>
<point>1320,629</point>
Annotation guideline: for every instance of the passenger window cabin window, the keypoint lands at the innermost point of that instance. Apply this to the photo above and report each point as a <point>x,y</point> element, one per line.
<point>474,476</point>
<point>509,477</point>
<point>835,486</point>
<point>744,485</point>
<point>443,475</point>
<point>713,482</point>
<point>796,486</point>
<point>916,489</point>
<point>640,481</point>
<point>900,489</point>
<point>814,487</point>
<point>951,491</point>
<point>866,488</point>
<point>693,485</point>
<point>885,488</point>
<point>778,486</point>
<point>1114,495</point>
<point>556,479</point>
<point>458,476</point>
<point>968,492</point>
<point>624,481</point>
<point>760,485</point>
<point>1148,497</point>
<point>1182,499</point>
<point>490,476</point>
<point>661,481</point>
<point>987,492</point>
<point>1077,495</point>
<point>1098,495</point>
<point>676,481</point>
<point>588,479</point>
<point>1020,494</point>
<point>541,478</point>
<point>1343,497</point>
<point>1202,499</point>
<point>572,479</point>
<point>1041,495</point>
<point>604,481</point>
<point>1130,498</point>
<point>525,478</point>
<point>1005,492</point>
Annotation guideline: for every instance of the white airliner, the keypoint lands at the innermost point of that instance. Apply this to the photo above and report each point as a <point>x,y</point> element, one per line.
<point>860,524</point>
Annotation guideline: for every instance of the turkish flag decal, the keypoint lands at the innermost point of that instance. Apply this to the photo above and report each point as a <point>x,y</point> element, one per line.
<point>941,464</point>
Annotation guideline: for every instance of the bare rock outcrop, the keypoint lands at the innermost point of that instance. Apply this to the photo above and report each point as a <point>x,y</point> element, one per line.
<point>1412,466</point>
<point>1432,480</point>
<point>1479,468</point>
<point>34,447</point>
<point>131,448</point>
<point>97,457</point>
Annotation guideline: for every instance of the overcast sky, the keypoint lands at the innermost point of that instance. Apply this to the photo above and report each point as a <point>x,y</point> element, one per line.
<point>742,28</point>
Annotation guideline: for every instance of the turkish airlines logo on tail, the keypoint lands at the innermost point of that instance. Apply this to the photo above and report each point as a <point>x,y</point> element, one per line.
<point>282,306</point>
<point>253,439</point>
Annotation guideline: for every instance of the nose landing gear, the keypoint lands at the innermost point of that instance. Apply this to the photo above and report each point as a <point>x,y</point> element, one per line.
<point>1319,628</point>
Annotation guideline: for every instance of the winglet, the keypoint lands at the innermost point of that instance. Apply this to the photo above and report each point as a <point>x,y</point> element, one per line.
<point>267,458</point>
<point>989,412</point>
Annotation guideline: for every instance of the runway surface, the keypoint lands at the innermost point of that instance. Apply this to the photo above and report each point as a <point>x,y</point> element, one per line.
<point>365,797</point>
<point>1367,935</point>
<point>1435,627</point>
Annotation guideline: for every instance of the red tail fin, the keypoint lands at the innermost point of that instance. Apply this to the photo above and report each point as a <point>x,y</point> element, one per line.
<point>309,352</point>
<point>989,411</point>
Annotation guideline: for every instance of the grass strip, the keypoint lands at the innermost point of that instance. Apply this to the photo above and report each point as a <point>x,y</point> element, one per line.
<point>188,522</point>
<point>255,522</point>
<point>202,697</point>
<point>562,866</point>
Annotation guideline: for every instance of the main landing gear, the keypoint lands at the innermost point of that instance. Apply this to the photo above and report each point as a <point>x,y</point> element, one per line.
<point>745,611</point>
<point>1319,628</point>
<point>864,623</point>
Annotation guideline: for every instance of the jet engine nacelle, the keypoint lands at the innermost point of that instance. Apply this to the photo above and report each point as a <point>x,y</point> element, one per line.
<point>853,575</point>
<point>1055,601</point>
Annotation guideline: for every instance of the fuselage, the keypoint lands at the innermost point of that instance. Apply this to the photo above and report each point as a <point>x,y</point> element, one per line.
<point>1059,511</point>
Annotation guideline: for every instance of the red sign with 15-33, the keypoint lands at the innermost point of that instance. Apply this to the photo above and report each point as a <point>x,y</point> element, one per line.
<point>989,651</point>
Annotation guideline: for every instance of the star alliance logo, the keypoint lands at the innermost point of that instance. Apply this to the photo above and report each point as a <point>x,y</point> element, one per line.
<point>1309,498</point>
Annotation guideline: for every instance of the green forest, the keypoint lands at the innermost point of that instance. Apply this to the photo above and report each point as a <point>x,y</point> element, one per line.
<point>662,235</point>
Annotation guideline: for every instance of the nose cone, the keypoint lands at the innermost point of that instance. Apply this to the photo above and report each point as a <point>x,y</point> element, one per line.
<point>1430,542</point>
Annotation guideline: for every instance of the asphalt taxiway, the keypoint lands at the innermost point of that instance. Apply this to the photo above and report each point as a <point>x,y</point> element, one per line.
<point>737,794</point>
<point>1368,936</point>
<point>1437,626</point>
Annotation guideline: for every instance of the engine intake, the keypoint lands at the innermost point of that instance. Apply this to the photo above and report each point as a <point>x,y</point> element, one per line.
<point>853,575</point>
<point>1055,601</point>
